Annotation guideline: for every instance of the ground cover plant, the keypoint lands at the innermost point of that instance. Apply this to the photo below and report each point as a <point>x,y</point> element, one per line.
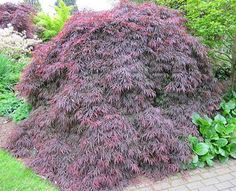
<point>219,135</point>
<point>19,16</point>
<point>106,92</point>
<point>15,176</point>
<point>10,105</point>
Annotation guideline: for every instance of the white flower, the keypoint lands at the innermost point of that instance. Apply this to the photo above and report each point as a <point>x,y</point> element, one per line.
<point>15,44</point>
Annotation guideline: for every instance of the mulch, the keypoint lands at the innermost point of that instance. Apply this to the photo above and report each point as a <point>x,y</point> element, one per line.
<point>6,128</point>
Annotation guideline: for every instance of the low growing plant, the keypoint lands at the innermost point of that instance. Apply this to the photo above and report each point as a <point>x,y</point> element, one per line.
<point>14,44</point>
<point>13,107</point>
<point>10,105</point>
<point>219,135</point>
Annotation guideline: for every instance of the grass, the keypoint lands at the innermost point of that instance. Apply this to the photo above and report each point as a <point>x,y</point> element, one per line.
<point>14,176</point>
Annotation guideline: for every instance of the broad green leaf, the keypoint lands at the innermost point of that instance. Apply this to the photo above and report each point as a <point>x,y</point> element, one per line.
<point>201,149</point>
<point>201,164</point>
<point>228,106</point>
<point>220,128</point>
<point>230,128</point>
<point>232,121</point>
<point>195,118</point>
<point>221,142</point>
<point>222,152</point>
<point>223,159</point>
<point>220,119</point>
<point>195,159</point>
<point>193,140</point>
<point>232,148</point>
<point>210,162</point>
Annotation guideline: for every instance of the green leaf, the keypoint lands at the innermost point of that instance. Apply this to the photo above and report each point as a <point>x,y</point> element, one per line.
<point>221,142</point>
<point>201,149</point>
<point>201,164</point>
<point>220,119</point>
<point>230,128</point>
<point>210,162</point>
<point>223,159</point>
<point>228,106</point>
<point>195,159</point>
<point>232,150</point>
<point>193,140</point>
<point>222,152</point>
<point>220,128</point>
<point>232,120</point>
<point>195,118</point>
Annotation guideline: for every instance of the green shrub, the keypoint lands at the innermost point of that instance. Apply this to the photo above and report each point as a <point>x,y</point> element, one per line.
<point>21,112</point>
<point>215,23</point>
<point>9,72</point>
<point>174,4</point>
<point>52,25</point>
<point>219,135</point>
<point>10,105</point>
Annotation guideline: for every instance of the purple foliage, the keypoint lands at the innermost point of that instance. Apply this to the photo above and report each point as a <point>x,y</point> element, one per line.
<point>113,94</point>
<point>19,16</point>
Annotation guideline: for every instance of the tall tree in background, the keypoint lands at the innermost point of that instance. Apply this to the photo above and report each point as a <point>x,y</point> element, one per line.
<point>70,3</point>
<point>34,3</point>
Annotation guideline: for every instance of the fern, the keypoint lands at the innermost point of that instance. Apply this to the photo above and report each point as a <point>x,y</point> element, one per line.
<point>51,26</point>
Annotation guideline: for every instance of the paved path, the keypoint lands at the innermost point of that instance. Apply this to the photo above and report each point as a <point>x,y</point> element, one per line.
<point>221,177</point>
<point>6,128</point>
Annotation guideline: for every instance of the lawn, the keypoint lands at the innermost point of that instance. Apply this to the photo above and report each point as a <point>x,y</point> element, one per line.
<point>14,176</point>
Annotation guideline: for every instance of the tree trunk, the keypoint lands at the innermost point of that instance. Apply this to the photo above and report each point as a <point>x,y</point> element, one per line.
<point>233,67</point>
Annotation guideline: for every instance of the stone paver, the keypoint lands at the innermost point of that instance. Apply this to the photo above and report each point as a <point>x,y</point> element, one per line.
<point>221,177</point>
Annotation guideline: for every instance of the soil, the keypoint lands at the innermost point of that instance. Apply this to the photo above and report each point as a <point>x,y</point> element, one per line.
<point>6,128</point>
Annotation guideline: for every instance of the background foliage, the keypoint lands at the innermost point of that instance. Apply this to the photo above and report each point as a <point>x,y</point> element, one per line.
<point>19,16</point>
<point>50,26</point>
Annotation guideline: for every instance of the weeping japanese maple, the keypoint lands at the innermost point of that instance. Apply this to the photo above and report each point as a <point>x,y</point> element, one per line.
<point>19,16</point>
<point>113,94</point>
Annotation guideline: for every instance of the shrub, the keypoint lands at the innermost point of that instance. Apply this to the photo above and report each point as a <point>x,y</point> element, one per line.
<point>19,16</point>
<point>218,133</point>
<point>51,26</point>
<point>13,107</point>
<point>93,87</point>
<point>10,105</point>
<point>16,45</point>
<point>9,72</point>
<point>215,23</point>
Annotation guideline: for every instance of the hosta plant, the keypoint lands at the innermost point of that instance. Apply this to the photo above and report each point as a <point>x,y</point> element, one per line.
<point>112,98</point>
<point>219,136</point>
